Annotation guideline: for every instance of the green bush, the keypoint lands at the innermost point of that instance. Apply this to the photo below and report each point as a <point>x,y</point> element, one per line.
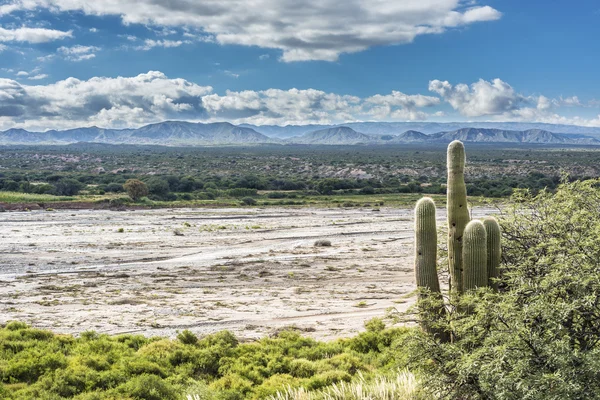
<point>537,337</point>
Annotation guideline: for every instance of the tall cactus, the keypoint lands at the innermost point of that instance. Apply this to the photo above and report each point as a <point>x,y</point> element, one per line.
<point>474,254</point>
<point>426,266</point>
<point>494,251</point>
<point>458,212</point>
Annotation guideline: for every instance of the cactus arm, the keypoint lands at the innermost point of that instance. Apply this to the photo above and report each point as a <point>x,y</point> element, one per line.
<point>426,245</point>
<point>475,256</point>
<point>494,251</point>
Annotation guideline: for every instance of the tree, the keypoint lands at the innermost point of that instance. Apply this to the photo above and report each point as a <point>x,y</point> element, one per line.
<point>136,189</point>
<point>538,337</point>
<point>67,187</point>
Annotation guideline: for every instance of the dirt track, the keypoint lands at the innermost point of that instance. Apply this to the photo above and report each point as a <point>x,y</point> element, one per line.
<point>251,271</point>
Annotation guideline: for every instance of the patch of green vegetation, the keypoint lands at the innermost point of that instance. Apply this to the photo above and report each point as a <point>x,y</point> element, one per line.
<point>37,364</point>
<point>19,197</point>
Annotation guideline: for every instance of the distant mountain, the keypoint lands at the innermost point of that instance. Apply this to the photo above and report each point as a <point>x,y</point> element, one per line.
<point>179,133</point>
<point>164,133</point>
<point>396,128</point>
<point>339,135</point>
<point>482,135</point>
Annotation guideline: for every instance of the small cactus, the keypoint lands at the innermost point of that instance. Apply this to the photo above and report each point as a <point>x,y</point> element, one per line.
<point>474,254</point>
<point>494,252</point>
<point>458,212</point>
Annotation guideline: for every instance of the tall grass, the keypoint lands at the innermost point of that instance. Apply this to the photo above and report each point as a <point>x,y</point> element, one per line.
<point>17,197</point>
<point>403,386</point>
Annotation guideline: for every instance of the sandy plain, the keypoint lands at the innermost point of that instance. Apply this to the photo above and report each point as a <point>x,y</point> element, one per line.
<point>248,270</point>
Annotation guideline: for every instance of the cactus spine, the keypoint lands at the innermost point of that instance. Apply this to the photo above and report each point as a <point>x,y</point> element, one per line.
<point>474,254</point>
<point>493,250</point>
<point>426,245</point>
<point>458,212</point>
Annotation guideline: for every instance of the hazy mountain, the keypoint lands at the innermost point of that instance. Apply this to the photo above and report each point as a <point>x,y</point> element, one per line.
<point>164,133</point>
<point>396,128</point>
<point>179,133</point>
<point>338,135</point>
<point>483,135</point>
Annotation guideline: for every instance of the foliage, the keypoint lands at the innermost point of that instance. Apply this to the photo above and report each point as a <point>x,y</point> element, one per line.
<point>39,364</point>
<point>538,337</point>
<point>135,189</point>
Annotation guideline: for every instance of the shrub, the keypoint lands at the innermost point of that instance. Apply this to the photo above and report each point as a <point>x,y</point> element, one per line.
<point>136,189</point>
<point>322,243</point>
<point>539,335</point>
<point>249,201</point>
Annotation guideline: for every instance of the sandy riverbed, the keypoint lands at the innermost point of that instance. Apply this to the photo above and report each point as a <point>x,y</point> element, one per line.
<point>250,271</point>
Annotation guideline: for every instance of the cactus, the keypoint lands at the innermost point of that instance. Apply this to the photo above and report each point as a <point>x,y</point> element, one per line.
<point>473,249</point>
<point>426,266</point>
<point>493,250</point>
<point>458,212</point>
<point>426,245</point>
<point>474,254</point>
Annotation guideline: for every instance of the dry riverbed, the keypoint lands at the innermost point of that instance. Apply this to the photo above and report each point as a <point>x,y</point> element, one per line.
<point>252,271</point>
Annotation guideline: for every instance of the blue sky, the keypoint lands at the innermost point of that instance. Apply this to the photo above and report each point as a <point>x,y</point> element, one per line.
<point>121,63</point>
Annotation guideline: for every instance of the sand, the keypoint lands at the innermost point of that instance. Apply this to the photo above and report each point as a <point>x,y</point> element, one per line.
<point>252,271</point>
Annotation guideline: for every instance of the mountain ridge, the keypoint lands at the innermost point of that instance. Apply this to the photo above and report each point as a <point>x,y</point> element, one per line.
<point>175,133</point>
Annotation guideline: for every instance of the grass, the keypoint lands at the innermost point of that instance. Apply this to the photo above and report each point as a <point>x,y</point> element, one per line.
<point>345,201</point>
<point>18,197</point>
<point>402,386</point>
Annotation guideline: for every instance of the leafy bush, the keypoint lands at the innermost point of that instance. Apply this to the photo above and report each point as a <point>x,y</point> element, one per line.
<point>537,337</point>
<point>36,364</point>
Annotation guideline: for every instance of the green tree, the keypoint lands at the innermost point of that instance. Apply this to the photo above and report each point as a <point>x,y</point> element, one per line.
<point>136,189</point>
<point>67,187</point>
<point>539,336</point>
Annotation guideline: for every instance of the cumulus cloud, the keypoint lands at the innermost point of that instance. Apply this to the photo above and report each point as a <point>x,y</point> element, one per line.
<point>111,102</point>
<point>32,35</point>
<point>499,101</point>
<point>302,29</point>
<point>480,98</point>
<point>152,97</point>
<point>78,52</point>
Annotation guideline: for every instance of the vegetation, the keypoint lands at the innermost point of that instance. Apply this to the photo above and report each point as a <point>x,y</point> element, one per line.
<point>135,189</point>
<point>280,175</point>
<point>42,365</point>
<point>537,336</point>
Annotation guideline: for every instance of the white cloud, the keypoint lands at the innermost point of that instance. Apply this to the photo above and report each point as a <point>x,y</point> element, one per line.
<point>150,44</point>
<point>38,77</point>
<point>93,30</point>
<point>114,102</point>
<point>480,98</point>
<point>264,57</point>
<point>153,97</point>
<point>32,35</point>
<point>78,52</point>
<point>22,73</point>
<point>499,101</point>
<point>3,47</point>
<point>301,29</point>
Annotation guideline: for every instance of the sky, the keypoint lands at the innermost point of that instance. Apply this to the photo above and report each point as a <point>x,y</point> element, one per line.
<point>127,63</point>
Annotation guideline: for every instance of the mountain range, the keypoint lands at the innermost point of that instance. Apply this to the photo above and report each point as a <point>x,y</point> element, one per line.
<point>178,133</point>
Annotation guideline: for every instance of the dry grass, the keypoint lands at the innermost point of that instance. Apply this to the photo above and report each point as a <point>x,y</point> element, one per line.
<point>403,386</point>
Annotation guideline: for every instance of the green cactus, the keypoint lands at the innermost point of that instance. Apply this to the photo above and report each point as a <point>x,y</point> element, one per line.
<point>426,268</point>
<point>492,230</point>
<point>474,254</point>
<point>458,212</point>
<point>426,245</point>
